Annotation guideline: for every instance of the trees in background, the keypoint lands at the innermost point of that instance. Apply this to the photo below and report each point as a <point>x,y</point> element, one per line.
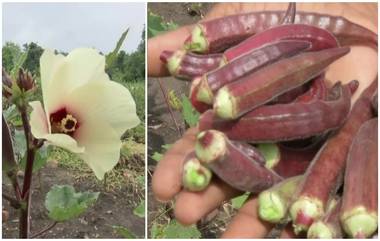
<point>128,67</point>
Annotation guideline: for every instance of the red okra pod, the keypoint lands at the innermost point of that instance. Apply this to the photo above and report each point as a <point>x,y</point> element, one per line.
<point>287,161</point>
<point>247,64</point>
<point>272,123</point>
<point>317,90</point>
<point>253,90</point>
<point>328,227</point>
<point>219,34</point>
<point>189,65</point>
<point>319,38</point>
<point>347,32</point>
<point>274,202</point>
<point>199,106</point>
<point>359,216</point>
<point>322,175</point>
<point>250,151</point>
<point>374,102</point>
<point>231,164</point>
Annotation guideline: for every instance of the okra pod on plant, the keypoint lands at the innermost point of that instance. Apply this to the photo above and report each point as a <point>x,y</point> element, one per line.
<point>359,216</point>
<point>231,164</point>
<point>239,97</point>
<point>318,183</point>
<point>187,66</point>
<point>195,176</point>
<point>280,122</point>
<point>246,64</point>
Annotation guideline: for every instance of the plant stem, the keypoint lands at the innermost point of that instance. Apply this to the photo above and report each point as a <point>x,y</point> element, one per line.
<point>24,222</point>
<point>9,162</point>
<point>168,106</point>
<point>12,201</point>
<point>47,228</point>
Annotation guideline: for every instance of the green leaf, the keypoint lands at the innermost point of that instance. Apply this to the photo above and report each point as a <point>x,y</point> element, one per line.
<point>157,156</point>
<point>156,231</point>
<point>238,202</point>
<point>12,116</point>
<point>157,25</point>
<point>18,62</point>
<point>166,146</point>
<point>110,58</point>
<point>124,232</point>
<point>190,115</point>
<point>139,211</point>
<point>63,203</point>
<point>176,230</point>
<point>40,158</point>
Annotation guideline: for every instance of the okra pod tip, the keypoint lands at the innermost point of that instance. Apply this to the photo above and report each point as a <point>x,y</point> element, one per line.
<point>210,146</point>
<point>172,60</point>
<point>197,41</point>
<point>359,222</point>
<point>304,212</point>
<point>205,94</point>
<point>272,208</point>
<point>225,105</point>
<point>319,230</point>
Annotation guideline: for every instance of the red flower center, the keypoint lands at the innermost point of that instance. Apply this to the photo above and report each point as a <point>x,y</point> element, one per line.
<point>63,122</point>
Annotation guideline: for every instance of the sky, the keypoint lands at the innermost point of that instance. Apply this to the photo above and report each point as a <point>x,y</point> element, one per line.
<point>65,26</point>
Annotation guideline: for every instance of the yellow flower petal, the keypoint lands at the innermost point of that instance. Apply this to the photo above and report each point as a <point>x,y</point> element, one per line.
<point>78,68</point>
<point>108,101</point>
<point>38,121</point>
<point>49,63</point>
<point>102,146</point>
<point>64,141</point>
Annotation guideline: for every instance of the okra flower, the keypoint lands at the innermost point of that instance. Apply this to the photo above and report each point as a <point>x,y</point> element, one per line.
<point>83,110</point>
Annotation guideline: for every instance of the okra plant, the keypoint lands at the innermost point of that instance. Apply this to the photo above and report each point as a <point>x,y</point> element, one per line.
<point>83,111</point>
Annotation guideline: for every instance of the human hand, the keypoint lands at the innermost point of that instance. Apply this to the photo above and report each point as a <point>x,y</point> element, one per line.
<point>191,206</point>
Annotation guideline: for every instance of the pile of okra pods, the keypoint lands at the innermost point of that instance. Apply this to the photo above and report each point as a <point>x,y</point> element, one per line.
<point>271,126</point>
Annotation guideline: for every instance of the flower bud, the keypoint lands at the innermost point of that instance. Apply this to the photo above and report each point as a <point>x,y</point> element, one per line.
<point>25,80</point>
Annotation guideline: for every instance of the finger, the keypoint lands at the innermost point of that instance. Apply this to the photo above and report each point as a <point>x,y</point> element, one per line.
<point>192,206</point>
<point>166,180</point>
<point>172,40</point>
<point>247,224</point>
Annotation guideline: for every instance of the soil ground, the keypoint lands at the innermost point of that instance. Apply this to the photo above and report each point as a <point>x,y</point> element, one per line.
<point>162,130</point>
<point>114,207</point>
